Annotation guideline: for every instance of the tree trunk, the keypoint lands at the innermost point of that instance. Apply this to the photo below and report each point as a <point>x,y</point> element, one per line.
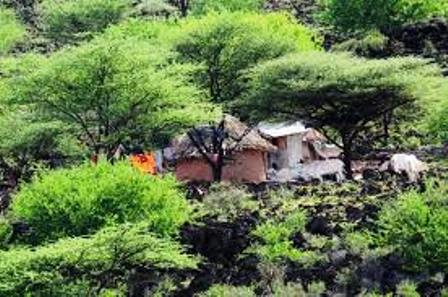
<point>348,155</point>
<point>219,166</point>
<point>217,174</point>
<point>183,7</point>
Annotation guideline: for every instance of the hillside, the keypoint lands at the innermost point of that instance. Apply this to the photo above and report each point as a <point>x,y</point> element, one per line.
<point>223,148</point>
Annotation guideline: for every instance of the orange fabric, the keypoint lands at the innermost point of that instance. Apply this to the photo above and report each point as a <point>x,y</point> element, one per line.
<point>145,162</point>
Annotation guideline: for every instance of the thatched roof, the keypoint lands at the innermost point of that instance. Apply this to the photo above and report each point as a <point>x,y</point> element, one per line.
<point>239,137</point>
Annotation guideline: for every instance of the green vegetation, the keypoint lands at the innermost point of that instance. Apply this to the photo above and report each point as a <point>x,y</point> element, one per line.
<point>88,266</point>
<point>355,15</point>
<point>416,226</point>
<point>11,30</point>
<point>227,202</point>
<point>111,99</point>
<point>104,79</point>
<point>66,20</point>
<point>27,145</point>
<point>79,201</point>
<point>227,44</point>
<point>337,92</point>
<point>275,236</point>
<point>228,291</point>
<point>200,7</point>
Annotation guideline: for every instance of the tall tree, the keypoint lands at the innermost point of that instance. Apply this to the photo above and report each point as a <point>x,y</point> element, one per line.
<point>336,93</point>
<point>227,44</point>
<point>114,92</point>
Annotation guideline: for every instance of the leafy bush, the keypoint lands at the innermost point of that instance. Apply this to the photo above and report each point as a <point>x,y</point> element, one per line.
<point>88,266</point>
<point>200,7</point>
<point>11,30</point>
<point>370,45</point>
<point>67,19</point>
<point>355,15</point>
<point>227,202</point>
<point>79,201</point>
<point>5,232</point>
<point>228,291</point>
<point>275,236</point>
<point>436,120</point>
<point>416,226</point>
<point>154,9</point>
<point>407,289</point>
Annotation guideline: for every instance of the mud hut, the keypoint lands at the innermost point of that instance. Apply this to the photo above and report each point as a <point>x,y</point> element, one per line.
<point>245,151</point>
<point>296,144</point>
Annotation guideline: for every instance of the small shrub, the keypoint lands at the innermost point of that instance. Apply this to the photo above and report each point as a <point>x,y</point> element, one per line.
<point>358,243</point>
<point>298,290</point>
<point>101,263</point>
<point>79,201</point>
<point>67,19</point>
<point>5,232</point>
<point>275,238</point>
<point>227,202</point>
<point>228,291</point>
<point>370,45</point>
<point>407,289</point>
<point>416,226</point>
<point>201,7</point>
<point>273,283</point>
<point>11,30</point>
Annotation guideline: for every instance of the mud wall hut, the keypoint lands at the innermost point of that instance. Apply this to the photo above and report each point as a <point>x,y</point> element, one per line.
<point>246,153</point>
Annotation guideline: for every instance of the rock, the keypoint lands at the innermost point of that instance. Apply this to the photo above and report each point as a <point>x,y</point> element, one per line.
<point>337,258</point>
<point>319,225</point>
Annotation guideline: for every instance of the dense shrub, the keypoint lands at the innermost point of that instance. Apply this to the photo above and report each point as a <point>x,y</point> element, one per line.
<point>416,226</point>
<point>200,7</point>
<point>67,19</point>
<point>228,291</point>
<point>11,30</point>
<point>373,44</point>
<point>81,200</point>
<point>355,15</point>
<point>227,202</point>
<point>436,120</point>
<point>89,266</point>
<point>275,238</point>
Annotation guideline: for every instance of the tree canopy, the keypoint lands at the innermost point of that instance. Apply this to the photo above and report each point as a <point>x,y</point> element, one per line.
<point>114,92</point>
<point>336,92</point>
<point>227,44</point>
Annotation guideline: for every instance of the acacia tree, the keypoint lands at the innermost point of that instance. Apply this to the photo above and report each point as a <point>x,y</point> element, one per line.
<point>338,94</point>
<point>227,44</point>
<point>216,143</point>
<point>114,92</point>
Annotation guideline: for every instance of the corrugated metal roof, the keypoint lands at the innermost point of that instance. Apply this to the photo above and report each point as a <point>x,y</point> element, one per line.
<point>275,130</point>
